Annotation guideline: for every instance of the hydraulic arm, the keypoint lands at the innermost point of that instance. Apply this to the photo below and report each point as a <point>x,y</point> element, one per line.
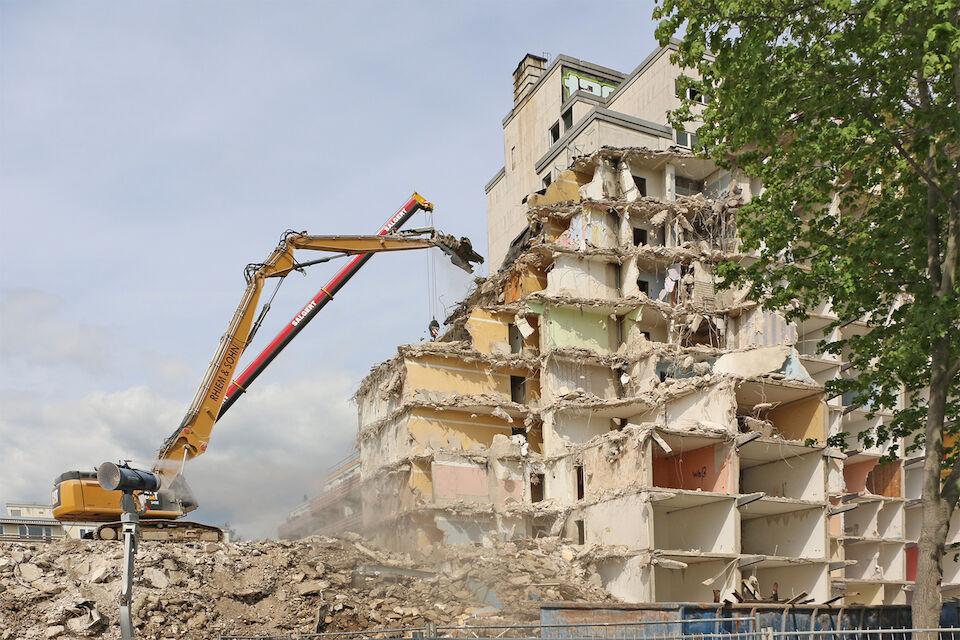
<point>79,498</point>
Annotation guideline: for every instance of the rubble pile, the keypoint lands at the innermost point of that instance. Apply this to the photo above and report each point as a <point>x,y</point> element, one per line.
<point>69,589</point>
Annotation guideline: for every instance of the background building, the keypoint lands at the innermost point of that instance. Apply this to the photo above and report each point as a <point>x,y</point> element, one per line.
<point>31,522</point>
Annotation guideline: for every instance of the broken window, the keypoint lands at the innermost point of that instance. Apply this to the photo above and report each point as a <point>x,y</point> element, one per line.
<point>581,532</point>
<point>536,487</point>
<point>518,389</point>
<point>643,286</point>
<point>555,132</point>
<point>687,187</point>
<point>515,338</point>
<point>641,184</point>
<point>567,118</point>
<point>580,485</point>
<point>640,236</point>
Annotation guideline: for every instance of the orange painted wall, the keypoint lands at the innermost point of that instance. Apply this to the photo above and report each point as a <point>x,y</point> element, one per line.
<point>707,469</point>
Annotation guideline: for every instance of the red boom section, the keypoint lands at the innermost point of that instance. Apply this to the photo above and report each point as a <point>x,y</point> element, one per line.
<point>312,308</point>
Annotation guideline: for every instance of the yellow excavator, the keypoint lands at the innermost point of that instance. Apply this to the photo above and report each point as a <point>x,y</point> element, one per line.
<point>161,495</point>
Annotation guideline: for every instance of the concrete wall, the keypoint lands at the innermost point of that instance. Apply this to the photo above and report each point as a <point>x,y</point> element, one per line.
<point>714,405</point>
<point>454,429</point>
<point>798,477</point>
<point>522,283</point>
<point>569,429</point>
<point>710,527</point>
<point>623,521</point>
<point>629,579</point>
<point>562,376</point>
<point>583,278</point>
<point>710,468</point>
<point>800,420</point>
<point>570,327</point>
<point>653,93</point>
<point>686,585</point>
<point>614,465</point>
<point>814,579</point>
<point>798,534</point>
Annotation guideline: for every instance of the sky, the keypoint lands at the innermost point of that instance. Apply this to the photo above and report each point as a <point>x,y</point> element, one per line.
<point>150,150</point>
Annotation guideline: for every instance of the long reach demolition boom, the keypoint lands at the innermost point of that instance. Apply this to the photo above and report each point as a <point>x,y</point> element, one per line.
<point>78,497</point>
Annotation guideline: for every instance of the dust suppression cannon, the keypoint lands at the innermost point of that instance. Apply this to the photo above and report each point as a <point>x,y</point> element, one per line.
<point>123,477</point>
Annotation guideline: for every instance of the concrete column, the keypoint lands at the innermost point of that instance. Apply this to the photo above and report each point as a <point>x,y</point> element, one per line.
<point>669,182</point>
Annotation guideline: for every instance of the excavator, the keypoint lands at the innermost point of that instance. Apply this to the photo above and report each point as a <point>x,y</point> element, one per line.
<point>162,495</point>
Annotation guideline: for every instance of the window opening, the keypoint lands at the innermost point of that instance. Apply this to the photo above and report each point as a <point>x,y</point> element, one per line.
<point>687,187</point>
<point>555,132</point>
<point>515,338</point>
<point>581,532</point>
<point>547,180</point>
<point>640,236</point>
<point>567,119</point>
<point>641,184</point>
<point>644,286</point>
<point>580,486</point>
<point>518,389</point>
<point>536,487</point>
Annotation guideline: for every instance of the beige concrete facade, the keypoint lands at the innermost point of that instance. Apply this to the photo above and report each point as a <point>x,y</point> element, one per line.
<point>28,521</point>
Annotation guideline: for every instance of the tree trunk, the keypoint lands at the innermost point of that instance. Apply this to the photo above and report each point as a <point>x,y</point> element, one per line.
<point>927,598</point>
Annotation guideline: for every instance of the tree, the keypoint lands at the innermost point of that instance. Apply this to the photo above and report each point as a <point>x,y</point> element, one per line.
<point>848,111</point>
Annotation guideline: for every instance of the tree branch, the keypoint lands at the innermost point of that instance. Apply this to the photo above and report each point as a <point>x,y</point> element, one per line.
<point>951,488</point>
<point>953,371</point>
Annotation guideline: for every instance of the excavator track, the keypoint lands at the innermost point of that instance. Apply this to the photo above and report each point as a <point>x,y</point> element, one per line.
<point>164,531</point>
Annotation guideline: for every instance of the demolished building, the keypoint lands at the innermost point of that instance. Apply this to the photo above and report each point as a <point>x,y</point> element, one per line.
<point>600,387</point>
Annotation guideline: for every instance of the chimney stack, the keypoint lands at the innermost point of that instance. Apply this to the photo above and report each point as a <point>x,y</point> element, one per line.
<point>526,75</point>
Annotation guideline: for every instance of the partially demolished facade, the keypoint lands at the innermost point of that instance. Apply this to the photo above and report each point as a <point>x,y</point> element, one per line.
<point>600,388</point>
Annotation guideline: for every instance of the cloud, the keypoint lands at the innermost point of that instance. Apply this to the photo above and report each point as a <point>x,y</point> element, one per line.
<point>35,332</point>
<point>273,447</point>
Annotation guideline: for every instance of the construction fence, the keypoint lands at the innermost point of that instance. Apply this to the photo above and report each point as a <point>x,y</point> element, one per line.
<point>741,628</point>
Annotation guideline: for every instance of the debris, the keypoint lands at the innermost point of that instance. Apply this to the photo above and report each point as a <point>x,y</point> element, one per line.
<point>276,588</point>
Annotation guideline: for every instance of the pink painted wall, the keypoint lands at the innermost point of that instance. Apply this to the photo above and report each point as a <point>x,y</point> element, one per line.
<point>452,482</point>
<point>855,475</point>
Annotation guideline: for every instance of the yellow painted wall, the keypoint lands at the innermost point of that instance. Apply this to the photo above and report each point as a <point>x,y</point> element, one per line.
<point>800,420</point>
<point>485,327</point>
<point>457,429</point>
<point>455,376</point>
<point>421,479</point>
<point>435,373</point>
<point>521,284</point>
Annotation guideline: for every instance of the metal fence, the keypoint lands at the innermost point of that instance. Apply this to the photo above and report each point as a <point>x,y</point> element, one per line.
<point>738,628</point>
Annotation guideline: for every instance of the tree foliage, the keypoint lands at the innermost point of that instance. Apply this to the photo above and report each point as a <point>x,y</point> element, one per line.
<point>848,111</point>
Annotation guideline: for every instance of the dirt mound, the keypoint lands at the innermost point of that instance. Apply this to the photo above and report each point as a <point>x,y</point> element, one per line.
<point>196,590</point>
